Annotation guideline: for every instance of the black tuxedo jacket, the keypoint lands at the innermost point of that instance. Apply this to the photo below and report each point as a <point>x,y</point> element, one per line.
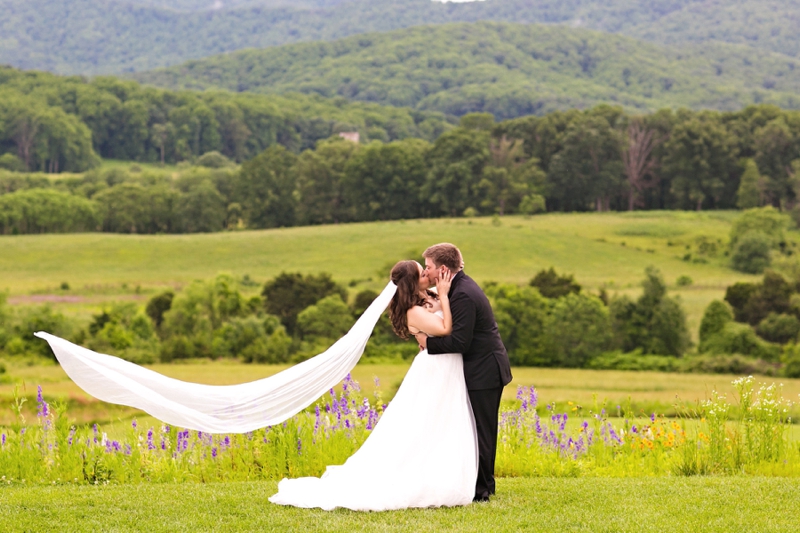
<point>475,336</point>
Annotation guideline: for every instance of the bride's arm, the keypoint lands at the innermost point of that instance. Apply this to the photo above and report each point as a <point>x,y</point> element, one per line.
<point>421,320</point>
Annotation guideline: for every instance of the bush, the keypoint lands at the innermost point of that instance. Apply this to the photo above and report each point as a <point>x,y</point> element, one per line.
<point>158,305</point>
<point>684,281</point>
<point>751,253</point>
<point>551,285</point>
<point>791,361</point>
<point>633,361</point>
<point>735,338</point>
<point>766,221</point>
<point>288,294</point>
<point>521,313</point>
<point>654,324</point>
<point>577,329</point>
<point>46,211</point>
<point>753,302</point>
<point>779,328</point>
<point>11,162</point>
<point>213,159</point>
<point>328,319</point>
<point>716,316</point>
<point>728,364</point>
<point>532,204</point>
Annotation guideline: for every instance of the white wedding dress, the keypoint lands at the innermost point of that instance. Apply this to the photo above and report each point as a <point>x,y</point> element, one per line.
<point>422,453</point>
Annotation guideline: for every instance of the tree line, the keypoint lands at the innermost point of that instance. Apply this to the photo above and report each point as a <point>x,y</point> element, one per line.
<point>598,159</point>
<point>66,124</point>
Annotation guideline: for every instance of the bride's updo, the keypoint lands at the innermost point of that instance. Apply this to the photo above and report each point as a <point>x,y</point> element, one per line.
<point>405,275</point>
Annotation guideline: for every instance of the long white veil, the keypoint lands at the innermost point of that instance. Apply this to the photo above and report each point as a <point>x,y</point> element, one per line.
<point>213,408</point>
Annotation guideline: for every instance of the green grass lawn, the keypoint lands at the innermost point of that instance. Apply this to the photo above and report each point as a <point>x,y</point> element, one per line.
<point>601,249</point>
<point>586,504</point>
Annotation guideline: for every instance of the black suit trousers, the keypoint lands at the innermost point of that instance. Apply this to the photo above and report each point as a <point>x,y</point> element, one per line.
<point>486,408</point>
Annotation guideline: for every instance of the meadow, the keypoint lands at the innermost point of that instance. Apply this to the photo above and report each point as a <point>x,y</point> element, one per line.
<point>602,250</point>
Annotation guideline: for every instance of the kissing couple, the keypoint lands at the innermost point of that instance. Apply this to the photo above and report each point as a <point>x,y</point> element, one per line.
<point>435,445</point>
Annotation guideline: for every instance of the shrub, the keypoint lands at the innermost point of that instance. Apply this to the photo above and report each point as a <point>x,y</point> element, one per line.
<point>753,302</point>
<point>521,313</point>
<point>684,281</point>
<point>551,285</point>
<point>791,361</point>
<point>633,361</point>
<point>577,329</point>
<point>717,314</point>
<point>780,328</point>
<point>158,305</point>
<point>9,161</point>
<point>654,324</point>
<point>751,253</point>
<point>328,319</point>
<point>766,221</point>
<point>288,294</point>
<point>735,338</point>
<point>532,204</point>
<point>728,364</point>
<point>46,211</point>
<point>213,159</point>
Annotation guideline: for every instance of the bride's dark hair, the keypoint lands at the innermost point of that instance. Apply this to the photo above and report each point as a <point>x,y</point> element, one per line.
<point>405,275</point>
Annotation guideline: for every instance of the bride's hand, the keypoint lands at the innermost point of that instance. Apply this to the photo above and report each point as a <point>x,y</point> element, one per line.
<point>443,283</point>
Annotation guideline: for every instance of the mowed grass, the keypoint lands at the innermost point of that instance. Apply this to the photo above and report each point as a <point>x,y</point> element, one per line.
<point>608,250</point>
<point>647,392</point>
<point>545,504</point>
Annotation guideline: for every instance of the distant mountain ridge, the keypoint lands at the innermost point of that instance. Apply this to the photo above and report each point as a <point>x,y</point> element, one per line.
<point>506,69</point>
<point>102,36</point>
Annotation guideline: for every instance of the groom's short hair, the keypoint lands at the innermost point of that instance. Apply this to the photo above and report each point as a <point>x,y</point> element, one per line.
<point>445,254</point>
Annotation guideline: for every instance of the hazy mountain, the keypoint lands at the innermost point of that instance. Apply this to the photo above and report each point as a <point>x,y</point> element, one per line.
<point>506,69</point>
<point>101,36</point>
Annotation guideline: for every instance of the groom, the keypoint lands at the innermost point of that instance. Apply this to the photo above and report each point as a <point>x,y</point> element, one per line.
<point>486,366</point>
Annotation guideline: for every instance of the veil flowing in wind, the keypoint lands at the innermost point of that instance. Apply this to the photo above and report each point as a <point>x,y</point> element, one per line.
<point>219,408</point>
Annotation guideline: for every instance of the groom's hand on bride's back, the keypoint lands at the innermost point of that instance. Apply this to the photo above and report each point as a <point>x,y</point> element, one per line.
<point>422,340</point>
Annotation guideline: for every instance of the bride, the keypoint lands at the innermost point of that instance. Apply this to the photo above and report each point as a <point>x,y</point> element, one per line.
<point>423,452</point>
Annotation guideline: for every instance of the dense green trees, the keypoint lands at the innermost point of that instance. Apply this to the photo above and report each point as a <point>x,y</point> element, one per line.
<point>58,124</point>
<point>508,70</point>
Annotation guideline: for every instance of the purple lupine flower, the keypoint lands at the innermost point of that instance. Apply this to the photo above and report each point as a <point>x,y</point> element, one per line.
<point>533,399</point>
<point>128,449</point>
<point>134,424</point>
<point>163,443</point>
<point>3,439</point>
<point>347,423</point>
<point>584,425</point>
<point>376,381</point>
<point>300,444</point>
<point>634,429</point>
<point>150,444</point>
<point>94,429</point>
<point>43,409</point>
<point>226,441</point>
<point>653,417</point>
<point>71,435</point>
<point>214,451</point>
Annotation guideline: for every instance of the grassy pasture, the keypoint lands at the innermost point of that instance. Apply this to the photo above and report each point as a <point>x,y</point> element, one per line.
<point>608,250</point>
<point>540,504</point>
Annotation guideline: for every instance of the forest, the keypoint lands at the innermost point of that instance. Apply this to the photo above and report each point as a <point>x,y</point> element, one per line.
<point>599,159</point>
<point>509,70</point>
<point>94,37</point>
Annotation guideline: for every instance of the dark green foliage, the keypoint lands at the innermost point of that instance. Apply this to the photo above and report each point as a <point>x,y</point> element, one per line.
<point>552,285</point>
<point>753,302</point>
<point>46,211</point>
<point>735,364</point>
<point>508,70</point>
<point>634,361</point>
<point>264,188</point>
<point>577,329</point>
<point>158,305</point>
<point>735,338</point>
<point>750,193</point>
<point>752,253</point>
<point>290,293</point>
<point>716,316</point>
<point>779,328</point>
<point>791,361</point>
<point>521,313</point>
<point>654,324</point>
<point>363,300</point>
<point>213,159</point>
<point>326,320</point>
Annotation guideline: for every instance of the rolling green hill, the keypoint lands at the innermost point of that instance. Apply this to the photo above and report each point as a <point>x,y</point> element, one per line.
<point>505,69</point>
<point>99,36</point>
